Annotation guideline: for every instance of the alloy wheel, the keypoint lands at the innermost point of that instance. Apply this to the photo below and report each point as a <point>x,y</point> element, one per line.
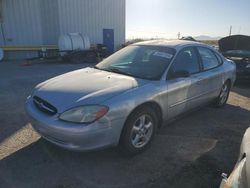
<point>142,131</point>
<point>224,93</point>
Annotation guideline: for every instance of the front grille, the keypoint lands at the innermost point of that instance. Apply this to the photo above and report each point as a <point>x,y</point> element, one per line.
<point>44,106</point>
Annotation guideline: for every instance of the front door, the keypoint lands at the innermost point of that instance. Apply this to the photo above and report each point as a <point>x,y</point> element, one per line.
<point>182,87</point>
<point>178,91</point>
<point>108,39</point>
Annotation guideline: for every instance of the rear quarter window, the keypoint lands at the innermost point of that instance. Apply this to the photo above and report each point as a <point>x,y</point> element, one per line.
<point>219,58</point>
<point>209,58</point>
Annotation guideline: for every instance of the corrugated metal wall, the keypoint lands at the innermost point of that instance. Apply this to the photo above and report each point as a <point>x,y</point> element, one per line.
<point>49,21</point>
<point>91,17</point>
<point>38,22</point>
<point>21,22</point>
<point>1,22</point>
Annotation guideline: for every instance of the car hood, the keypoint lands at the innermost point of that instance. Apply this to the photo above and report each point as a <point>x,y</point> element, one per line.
<point>83,87</point>
<point>235,46</point>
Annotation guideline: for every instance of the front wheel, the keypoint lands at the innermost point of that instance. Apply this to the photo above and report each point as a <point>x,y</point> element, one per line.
<point>139,130</point>
<point>224,94</point>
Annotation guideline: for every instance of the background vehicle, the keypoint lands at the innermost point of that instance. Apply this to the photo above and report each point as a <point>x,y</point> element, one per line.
<point>240,176</point>
<point>126,97</point>
<point>237,48</point>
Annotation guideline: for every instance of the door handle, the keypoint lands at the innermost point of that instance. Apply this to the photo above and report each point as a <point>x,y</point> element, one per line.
<point>199,81</point>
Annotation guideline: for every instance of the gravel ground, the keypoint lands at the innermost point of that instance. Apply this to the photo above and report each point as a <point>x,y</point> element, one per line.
<point>190,152</point>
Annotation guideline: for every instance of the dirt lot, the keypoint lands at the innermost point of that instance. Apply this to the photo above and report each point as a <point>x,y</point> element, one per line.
<point>190,152</point>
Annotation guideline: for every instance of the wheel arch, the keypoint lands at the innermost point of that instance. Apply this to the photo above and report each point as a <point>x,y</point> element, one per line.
<point>151,104</point>
<point>229,81</point>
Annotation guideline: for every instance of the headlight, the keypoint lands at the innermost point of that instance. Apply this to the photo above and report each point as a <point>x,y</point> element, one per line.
<point>237,177</point>
<point>84,114</point>
<point>248,66</point>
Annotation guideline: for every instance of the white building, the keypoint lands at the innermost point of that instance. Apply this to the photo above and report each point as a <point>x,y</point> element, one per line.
<point>40,22</point>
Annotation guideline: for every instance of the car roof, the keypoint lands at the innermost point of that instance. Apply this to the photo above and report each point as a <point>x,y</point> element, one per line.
<point>177,44</point>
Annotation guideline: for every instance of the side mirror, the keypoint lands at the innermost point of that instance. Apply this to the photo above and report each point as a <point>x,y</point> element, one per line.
<point>181,74</point>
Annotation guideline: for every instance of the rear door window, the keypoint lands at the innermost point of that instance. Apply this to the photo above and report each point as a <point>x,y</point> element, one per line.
<point>209,59</point>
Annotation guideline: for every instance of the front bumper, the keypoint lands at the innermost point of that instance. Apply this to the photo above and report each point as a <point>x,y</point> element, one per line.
<point>78,137</point>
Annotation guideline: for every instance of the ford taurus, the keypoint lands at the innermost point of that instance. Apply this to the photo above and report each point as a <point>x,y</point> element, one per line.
<point>125,98</point>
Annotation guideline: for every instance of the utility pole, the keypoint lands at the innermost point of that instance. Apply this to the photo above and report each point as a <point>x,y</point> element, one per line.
<point>179,35</point>
<point>230,30</point>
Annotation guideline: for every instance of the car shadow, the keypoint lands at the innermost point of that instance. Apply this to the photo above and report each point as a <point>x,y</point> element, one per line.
<point>190,152</point>
<point>227,126</point>
<point>206,170</point>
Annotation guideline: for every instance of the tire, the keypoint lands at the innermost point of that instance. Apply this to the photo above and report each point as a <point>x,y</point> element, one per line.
<point>138,131</point>
<point>224,94</point>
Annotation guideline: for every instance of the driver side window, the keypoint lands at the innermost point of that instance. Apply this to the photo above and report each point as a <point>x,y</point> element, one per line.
<point>186,62</point>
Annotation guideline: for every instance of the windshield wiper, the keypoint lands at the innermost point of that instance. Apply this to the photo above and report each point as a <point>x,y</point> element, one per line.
<point>115,70</point>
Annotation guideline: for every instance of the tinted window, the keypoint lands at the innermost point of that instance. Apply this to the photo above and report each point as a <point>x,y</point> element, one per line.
<point>147,62</point>
<point>186,60</point>
<point>209,60</point>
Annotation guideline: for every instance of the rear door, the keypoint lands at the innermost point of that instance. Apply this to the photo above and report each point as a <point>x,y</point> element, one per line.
<point>212,73</point>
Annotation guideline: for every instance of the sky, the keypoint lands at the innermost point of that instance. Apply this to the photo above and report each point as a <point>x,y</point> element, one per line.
<point>165,18</point>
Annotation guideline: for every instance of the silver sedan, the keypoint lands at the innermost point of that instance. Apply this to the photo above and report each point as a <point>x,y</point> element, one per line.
<point>124,99</point>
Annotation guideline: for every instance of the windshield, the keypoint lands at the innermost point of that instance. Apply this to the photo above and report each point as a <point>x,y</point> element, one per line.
<point>146,62</point>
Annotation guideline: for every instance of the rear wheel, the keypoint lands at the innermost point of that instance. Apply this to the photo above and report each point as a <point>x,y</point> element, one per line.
<point>224,94</point>
<point>139,130</point>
